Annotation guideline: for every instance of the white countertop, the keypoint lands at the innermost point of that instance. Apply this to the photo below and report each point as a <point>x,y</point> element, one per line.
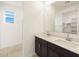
<point>62,42</point>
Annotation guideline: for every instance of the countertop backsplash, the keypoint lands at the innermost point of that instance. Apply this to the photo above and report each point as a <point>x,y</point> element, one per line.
<point>74,37</point>
<point>63,35</point>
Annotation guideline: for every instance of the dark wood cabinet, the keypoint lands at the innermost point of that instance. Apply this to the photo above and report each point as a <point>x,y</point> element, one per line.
<point>46,49</point>
<point>41,47</point>
<point>52,53</point>
<point>43,50</point>
<point>37,46</point>
<point>62,52</point>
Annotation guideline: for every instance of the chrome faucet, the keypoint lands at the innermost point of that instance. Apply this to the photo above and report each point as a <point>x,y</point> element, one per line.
<point>68,38</point>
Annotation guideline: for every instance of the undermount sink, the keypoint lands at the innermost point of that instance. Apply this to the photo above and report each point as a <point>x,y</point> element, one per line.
<point>67,43</point>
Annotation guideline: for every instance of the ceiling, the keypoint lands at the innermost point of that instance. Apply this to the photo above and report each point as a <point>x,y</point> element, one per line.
<point>15,3</point>
<point>59,5</point>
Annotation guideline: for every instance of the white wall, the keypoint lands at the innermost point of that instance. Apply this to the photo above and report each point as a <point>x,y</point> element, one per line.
<point>11,34</point>
<point>37,17</point>
<point>33,22</point>
<point>49,13</point>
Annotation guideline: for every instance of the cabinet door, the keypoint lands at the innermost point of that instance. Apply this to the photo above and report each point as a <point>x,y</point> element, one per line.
<point>52,53</point>
<point>43,50</point>
<point>37,47</point>
<point>40,47</point>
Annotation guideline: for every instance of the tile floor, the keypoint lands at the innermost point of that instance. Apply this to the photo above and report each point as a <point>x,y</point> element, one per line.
<point>14,51</point>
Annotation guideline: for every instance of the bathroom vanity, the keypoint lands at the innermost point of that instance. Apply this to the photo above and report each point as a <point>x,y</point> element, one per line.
<point>52,47</point>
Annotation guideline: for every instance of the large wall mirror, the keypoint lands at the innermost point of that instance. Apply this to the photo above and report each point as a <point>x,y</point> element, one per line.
<point>67,21</point>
